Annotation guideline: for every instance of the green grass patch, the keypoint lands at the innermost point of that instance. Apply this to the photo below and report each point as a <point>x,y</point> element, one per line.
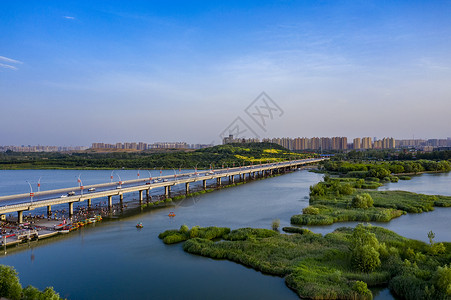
<point>320,267</point>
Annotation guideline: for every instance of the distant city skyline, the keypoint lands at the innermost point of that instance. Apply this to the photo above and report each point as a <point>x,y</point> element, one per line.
<point>75,72</point>
<point>293,143</point>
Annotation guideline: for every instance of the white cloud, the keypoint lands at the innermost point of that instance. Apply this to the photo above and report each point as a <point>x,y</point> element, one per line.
<point>9,60</point>
<point>69,17</point>
<point>7,67</point>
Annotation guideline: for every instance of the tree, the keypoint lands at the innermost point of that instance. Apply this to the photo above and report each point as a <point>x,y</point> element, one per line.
<point>10,287</point>
<point>362,201</point>
<point>364,249</point>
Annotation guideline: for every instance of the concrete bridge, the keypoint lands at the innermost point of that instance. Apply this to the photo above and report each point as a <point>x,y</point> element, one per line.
<point>53,197</point>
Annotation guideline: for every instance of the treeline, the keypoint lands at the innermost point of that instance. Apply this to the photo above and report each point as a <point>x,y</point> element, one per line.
<point>375,154</point>
<point>384,169</point>
<point>10,288</point>
<point>227,155</point>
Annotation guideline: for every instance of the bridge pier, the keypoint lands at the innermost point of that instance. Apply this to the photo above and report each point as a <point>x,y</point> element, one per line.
<point>49,211</point>
<point>147,194</point>
<point>20,217</point>
<point>218,181</point>
<point>140,197</point>
<point>110,201</point>
<point>187,188</point>
<point>204,184</point>
<point>166,191</point>
<point>71,209</point>
<point>232,179</point>
<point>121,199</point>
<point>89,203</point>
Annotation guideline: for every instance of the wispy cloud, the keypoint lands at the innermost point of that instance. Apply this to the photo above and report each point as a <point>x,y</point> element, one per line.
<point>69,17</point>
<point>8,67</point>
<point>8,62</point>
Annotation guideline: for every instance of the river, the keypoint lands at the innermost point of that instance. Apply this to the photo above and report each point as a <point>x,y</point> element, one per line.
<point>114,260</point>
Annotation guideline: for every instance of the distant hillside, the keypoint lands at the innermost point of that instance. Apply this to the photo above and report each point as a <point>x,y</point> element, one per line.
<point>217,156</point>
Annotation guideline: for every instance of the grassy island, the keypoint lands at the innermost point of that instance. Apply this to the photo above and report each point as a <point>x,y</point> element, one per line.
<point>339,265</point>
<point>350,199</point>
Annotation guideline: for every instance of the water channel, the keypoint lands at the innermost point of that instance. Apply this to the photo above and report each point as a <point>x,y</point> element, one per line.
<point>114,260</point>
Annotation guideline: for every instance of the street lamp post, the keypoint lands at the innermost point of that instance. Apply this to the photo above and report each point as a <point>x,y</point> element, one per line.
<point>80,184</point>
<point>31,191</point>
<point>39,184</point>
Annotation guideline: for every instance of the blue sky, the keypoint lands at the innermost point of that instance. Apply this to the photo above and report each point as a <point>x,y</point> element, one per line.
<point>74,72</point>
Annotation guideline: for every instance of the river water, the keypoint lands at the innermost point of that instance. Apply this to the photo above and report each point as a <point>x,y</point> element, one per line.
<point>114,260</point>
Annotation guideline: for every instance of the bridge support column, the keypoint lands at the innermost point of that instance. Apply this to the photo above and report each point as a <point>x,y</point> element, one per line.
<point>166,191</point>
<point>232,179</point>
<point>204,184</point>
<point>147,194</point>
<point>49,211</point>
<point>218,181</point>
<point>89,203</point>
<point>20,217</point>
<point>140,197</point>
<point>71,209</point>
<point>187,188</point>
<point>110,201</point>
<point>121,199</point>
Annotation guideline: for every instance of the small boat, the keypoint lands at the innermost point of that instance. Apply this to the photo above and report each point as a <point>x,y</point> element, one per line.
<point>139,225</point>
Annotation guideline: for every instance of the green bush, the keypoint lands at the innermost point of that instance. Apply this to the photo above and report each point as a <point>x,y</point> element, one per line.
<point>297,230</point>
<point>310,210</point>
<point>275,224</point>
<point>362,201</point>
<point>361,288</point>
<point>175,238</point>
<point>9,283</point>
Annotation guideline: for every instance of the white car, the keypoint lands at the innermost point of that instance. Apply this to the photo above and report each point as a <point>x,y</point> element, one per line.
<point>63,196</point>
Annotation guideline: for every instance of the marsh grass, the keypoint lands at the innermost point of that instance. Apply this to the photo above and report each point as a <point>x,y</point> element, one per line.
<point>319,267</point>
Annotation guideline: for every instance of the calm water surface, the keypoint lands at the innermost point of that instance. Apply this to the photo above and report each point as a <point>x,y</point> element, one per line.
<point>114,260</point>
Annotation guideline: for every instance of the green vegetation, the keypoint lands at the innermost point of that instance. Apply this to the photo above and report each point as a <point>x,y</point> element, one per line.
<point>184,233</point>
<point>339,265</point>
<point>383,170</point>
<point>348,199</point>
<point>227,155</point>
<point>11,288</point>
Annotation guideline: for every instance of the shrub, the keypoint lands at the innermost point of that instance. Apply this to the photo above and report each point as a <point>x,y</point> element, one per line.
<point>175,238</point>
<point>9,283</point>
<point>442,278</point>
<point>404,177</point>
<point>310,210</point>
<point>364,249</point>
<point>361,288</point>
<point>296,230</point>
<point>184,229</point>
<point>394,179</point>
<point>275,224</point>
<point>362,201</point>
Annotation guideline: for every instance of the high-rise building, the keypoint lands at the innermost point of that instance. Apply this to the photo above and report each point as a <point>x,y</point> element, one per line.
<point>356,144</point>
